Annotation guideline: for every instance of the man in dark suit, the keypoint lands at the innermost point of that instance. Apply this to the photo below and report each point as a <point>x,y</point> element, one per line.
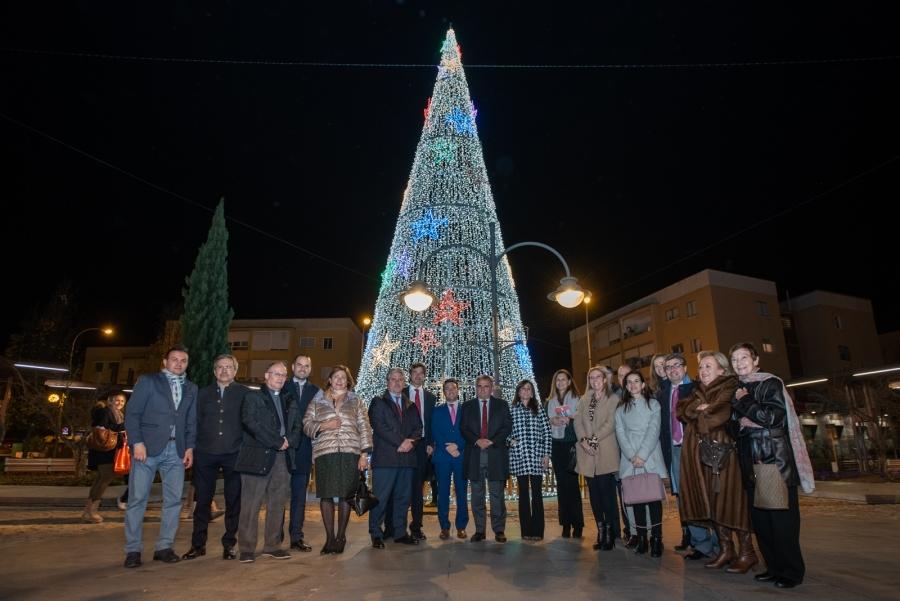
<point>424,402</point>
<point>300,391</point>
<point>265,463</point>
<point>396,429</point>
<point>161,422</point>
<point>448,460</point>
<point>486,424</point>
<point>218,442</point>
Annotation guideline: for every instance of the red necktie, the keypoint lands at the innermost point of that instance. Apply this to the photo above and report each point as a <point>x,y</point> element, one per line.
<point>677,431</point>
<point>453,414</point>
<point>418,404</point>
<point>484,419</point>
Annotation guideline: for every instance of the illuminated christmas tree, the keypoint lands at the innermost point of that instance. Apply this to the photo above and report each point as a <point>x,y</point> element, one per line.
<point>443,238</point>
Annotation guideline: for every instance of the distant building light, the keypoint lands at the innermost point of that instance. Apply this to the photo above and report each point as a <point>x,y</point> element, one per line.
<point>69,385</point>
<point>877,371</point>
<point>806,382</point>
<point>40,367</point>
<point>128,390</point>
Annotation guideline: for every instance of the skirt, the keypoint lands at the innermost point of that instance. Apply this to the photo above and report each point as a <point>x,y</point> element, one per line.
<point>337,475</point>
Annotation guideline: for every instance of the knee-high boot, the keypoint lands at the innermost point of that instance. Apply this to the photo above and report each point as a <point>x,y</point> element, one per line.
<point>726,549</point>
<point>746,554</point>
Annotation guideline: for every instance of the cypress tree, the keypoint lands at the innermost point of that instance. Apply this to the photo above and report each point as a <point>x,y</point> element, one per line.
<point>204,323</point>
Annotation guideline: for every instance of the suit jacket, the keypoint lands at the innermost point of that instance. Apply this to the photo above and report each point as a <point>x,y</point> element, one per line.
<point>428,404</point>
<point>665,416</point>
<point>444,431</point>
<point>499,429</point>
<point>262,433</point>
<point>389,430</point>
<point>219,428</point>
<point>299,402</point>
<point>151,413</point>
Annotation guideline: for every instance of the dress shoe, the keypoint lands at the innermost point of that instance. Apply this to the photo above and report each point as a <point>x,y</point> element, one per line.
<point>417,534</point>
<point>445,534</point>
<point>785,583</point>
<point>764,577</point>
<point>301,546</point>
<point>277,554</point>
<point>377,543</point>
<point>339,545</point>
<point>567,531</point>
<point>461,533</point>
<point>194,553</point>
<point>500,537</point>
<point>695,555</point>
<point>477,537</point>
<point>229,553</point>
<point>166,556</point>
<point>406,540</point>
<point>247,558</point>
<point>133,559</point>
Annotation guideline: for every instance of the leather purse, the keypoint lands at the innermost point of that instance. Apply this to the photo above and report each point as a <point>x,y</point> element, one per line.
<point>646,487</point>
<point>122,460</point>
<point>102,439</point>
<point>770,491</point>
<point>363,500</point>
<point>714,454</point>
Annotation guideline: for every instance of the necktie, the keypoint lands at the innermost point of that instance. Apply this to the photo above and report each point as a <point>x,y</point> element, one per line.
<point>453,414</point>
<point>419,404</point>
<point>397,408</point>
<point>484,431</point>
<point>677,431</point>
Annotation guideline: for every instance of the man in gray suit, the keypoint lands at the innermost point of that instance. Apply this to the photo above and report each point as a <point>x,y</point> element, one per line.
<point>161,422</point>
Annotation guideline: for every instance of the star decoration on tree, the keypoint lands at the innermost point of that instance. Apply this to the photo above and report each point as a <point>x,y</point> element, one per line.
<point>428,226</point>
<point>443,151</point>
<point>462,123</point>
<point>426,339</point>
<point>381,354</point>
<point>404,264</point>
<point>523,354</point>
<point>387,275</point>
<point>449,308</point>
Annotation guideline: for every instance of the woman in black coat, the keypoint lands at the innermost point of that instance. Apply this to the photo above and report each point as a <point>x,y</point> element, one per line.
<point>107,415</point>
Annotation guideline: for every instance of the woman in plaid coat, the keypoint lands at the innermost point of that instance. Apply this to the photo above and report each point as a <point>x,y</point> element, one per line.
<point>529,457</point>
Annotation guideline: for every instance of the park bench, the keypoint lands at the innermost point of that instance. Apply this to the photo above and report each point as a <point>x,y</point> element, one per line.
<point>46,465</point>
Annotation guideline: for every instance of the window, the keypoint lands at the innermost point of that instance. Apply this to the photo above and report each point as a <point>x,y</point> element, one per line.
<point>691,308</point>
<point>98,367</point>
<point>130,380</point>
<point>239,340</point>
<point>678,348</point>
<point>838,325</point>
<point>767,346</point>
<point>327,343</point>
<point>787,323</point>
<point>762,307</point>
<point>258,369</point>
<point>843,352</point>
<point>307,342</point>
<point>696,347</point>
<point>113,372</point>
<point>271,341</point>
<point>672,314</point>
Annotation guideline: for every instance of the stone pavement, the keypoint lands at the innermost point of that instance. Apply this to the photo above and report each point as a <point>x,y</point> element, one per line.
<point>852,552</point>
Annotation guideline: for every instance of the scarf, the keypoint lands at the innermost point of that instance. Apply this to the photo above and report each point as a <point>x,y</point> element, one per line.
<point>798,445</point>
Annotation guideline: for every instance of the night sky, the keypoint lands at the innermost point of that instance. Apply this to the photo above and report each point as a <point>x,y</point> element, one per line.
<point>639,176</point>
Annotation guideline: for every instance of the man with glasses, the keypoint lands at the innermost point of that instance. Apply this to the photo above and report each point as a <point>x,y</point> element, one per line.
<point>265,464</point>
<point>218,442</point>
<point>671,435</point>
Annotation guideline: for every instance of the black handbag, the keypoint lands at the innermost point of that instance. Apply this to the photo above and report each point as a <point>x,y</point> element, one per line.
<point>714,454</point>
<point>363,500</point>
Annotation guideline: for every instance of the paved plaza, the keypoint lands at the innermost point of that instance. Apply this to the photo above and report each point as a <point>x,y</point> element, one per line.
<point>852,552</point>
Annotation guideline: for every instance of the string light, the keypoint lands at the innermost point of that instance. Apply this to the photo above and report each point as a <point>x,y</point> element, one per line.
<point>442,238</point>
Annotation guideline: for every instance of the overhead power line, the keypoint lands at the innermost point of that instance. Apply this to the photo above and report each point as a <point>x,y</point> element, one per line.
<point>348,65</point>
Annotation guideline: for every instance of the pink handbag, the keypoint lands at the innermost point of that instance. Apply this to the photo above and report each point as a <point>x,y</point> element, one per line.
<point>642,488</point>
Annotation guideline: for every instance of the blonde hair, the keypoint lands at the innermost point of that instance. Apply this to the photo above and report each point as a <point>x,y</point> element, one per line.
<point>607,384</point>
<point>720,358</point>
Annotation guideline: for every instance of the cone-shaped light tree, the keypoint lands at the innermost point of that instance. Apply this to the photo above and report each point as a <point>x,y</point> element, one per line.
<point>204,323</point>
<point>443,238</point>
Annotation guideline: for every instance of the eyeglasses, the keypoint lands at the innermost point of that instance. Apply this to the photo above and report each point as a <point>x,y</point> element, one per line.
<point>225,367</point>
<point>278,374</point>
<point>674,367</point>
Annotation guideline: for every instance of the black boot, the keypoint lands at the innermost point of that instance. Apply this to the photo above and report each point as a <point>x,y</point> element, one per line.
<point>641,546</point>
<point>567,531</point>
<point>577,531</point>
<point>601,537</point>
<point>610,538</point>
<point>656,546</point>
<point>685,538</point>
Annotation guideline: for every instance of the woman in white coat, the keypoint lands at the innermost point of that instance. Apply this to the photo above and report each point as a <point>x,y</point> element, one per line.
<point>637,430</point>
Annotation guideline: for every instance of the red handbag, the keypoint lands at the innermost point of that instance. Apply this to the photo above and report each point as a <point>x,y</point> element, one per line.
<point>122,461</point>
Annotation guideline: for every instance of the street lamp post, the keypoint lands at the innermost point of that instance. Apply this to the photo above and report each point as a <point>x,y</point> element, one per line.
<point>569,293</point>
<point>65,395</point>
<point>107,331</point>
<point>367,321</point>
<point>587,329</point>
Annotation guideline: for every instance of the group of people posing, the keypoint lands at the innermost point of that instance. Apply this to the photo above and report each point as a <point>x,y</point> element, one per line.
<point>266,442</point>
